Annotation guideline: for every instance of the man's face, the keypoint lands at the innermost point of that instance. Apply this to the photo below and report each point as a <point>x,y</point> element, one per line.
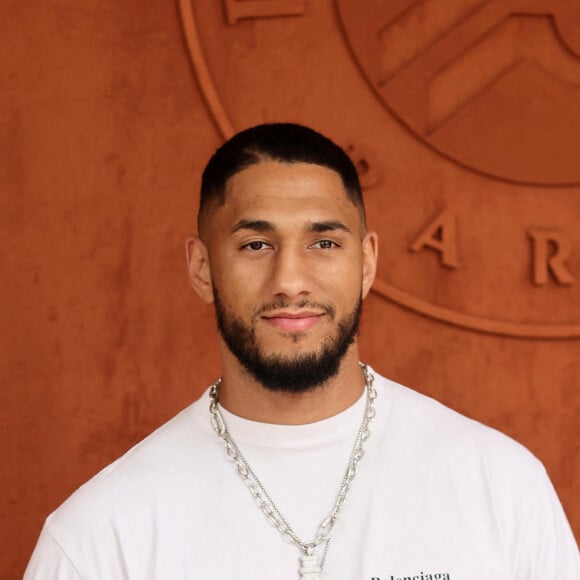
<point>289,265</point>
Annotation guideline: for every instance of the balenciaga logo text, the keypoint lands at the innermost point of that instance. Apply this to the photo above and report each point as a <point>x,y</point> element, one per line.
<point>420,576</point>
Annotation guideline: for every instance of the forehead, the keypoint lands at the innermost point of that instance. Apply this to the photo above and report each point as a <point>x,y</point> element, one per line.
<point>279,188</point>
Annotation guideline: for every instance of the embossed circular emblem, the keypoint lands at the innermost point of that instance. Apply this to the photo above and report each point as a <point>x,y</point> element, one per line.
<point>429,62</point>
<point>494,86</point>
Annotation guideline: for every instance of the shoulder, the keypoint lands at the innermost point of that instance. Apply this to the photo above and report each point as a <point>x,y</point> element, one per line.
<point>444,436</point>
<point>158,467</point>
<point>473,479</point>
<point>457,460</point>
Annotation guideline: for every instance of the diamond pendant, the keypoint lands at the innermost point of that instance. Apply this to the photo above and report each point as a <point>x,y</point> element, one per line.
<point>310,568</point>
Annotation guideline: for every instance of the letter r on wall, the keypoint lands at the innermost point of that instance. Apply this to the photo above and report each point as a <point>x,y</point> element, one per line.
<point>551,249</point>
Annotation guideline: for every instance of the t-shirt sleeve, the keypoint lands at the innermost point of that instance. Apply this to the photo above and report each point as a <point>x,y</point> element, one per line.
<point>49,561</point>
<point>547,548</point>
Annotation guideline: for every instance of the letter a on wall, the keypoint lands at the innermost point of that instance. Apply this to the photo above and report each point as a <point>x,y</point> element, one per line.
<point>441,236</point>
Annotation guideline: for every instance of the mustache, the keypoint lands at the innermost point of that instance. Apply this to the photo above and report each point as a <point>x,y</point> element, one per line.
<point>280,303</point>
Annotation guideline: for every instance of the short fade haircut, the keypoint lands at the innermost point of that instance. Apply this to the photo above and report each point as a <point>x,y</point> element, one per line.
<point>282,142</point>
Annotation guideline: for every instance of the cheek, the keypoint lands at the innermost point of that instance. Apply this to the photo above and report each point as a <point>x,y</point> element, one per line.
<point>239,291</point>
<point>227,274</point>
<point>350,300</point>
<point>344,296</point>
<point>241,275</point>
<point>343,270</point>
<point>346,282</point>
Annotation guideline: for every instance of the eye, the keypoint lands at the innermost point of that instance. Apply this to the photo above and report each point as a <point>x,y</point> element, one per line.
<point>256,246</point>
<point>325,245</point>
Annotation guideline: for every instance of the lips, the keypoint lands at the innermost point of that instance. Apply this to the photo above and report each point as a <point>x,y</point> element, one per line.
<point>293,322</point>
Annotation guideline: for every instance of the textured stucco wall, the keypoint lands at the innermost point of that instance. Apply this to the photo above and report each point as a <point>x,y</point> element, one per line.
<point>105,130</point>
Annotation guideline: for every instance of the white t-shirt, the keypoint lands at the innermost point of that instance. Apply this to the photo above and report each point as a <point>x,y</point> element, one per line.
<point>437,497</point>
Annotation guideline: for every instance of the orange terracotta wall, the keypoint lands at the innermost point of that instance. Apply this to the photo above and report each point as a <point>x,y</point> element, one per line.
<point>464,121</point>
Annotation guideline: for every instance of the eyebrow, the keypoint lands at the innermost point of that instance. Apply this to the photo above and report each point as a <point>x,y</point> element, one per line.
<point>313,227</point>
<point>256,225</point>
<point>327,226</point>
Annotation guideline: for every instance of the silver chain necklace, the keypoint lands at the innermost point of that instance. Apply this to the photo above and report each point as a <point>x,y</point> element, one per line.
<point>310,565</point>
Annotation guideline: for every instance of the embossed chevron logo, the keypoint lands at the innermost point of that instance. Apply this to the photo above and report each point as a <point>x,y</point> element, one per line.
<point>476,79</point>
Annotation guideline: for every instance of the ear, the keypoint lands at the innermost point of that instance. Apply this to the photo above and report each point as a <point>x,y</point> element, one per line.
<point>198,268</point>
<point>370,249</point>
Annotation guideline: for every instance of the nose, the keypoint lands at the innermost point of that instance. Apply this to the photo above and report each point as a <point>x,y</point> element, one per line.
<point>291,274</point>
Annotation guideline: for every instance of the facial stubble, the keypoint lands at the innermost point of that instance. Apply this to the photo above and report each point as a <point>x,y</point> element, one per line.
<point>297,373</point>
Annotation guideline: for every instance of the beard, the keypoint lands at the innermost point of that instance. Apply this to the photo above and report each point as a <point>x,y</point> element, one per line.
<point>282,373</point>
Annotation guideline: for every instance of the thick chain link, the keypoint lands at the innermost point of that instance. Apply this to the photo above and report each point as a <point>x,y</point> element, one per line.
<point>259,492</point>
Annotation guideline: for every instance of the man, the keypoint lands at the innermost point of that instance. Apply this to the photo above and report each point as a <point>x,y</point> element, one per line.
<point>300,462</point>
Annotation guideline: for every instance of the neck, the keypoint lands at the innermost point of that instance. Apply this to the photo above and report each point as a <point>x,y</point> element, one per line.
<point>241,394</point>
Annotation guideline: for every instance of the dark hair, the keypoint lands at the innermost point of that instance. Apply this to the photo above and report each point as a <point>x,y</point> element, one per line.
<point>284,142</point>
